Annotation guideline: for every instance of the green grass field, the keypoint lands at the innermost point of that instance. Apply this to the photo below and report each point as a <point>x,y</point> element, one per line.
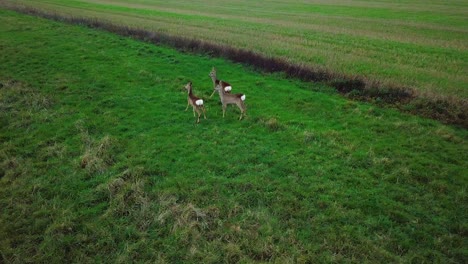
<point>99,162</point>
<point>419,44</point>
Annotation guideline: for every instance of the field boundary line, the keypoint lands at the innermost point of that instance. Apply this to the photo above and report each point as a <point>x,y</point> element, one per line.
<point>447,109</point>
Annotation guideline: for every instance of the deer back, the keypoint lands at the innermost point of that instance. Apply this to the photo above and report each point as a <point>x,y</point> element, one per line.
<point>231,98</point>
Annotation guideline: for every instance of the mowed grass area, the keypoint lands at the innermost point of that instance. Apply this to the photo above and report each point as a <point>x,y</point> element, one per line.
<point>418,44</point>
<point>100,162</point>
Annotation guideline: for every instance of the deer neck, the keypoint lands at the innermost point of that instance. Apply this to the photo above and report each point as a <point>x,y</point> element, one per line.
<point>190,94</point>
<point>221,94</point>
<point>213,78</point>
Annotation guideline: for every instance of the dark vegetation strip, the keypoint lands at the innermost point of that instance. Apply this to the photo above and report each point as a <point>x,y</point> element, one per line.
<point>448,110</point>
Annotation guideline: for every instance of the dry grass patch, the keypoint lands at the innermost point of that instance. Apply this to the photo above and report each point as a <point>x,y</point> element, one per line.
<point>13,92</point>
<point>128,198</point>
<point>20,105</point>
<point>272,124</point>
<point>12,167</point>
<point>97,154</point>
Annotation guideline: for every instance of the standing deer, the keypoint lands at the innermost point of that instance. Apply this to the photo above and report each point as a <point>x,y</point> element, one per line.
<point>227,99</point>
<point>226,86</point>
<point>195,102</point>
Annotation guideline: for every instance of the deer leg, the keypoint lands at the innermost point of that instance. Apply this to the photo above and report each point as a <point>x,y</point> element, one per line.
<point>224,109</point>
<point>188,103</point>
<point>197,118</point>
<point>241,108</point>
<point>204,112</point>
<point>212,93</point>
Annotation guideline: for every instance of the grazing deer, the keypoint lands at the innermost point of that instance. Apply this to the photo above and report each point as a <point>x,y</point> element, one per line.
<point>195,102</point>
<point>226,86</point>
<point>227,99</point>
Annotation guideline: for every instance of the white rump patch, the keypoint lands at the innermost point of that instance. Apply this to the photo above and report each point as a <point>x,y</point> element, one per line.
<point>199,102</point>
<point>227,88</point>
<point>243,97</point>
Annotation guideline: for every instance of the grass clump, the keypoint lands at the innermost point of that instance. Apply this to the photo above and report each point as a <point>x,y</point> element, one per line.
<point>128,198</point>
<point>271,124</point>
<point>97,153</point>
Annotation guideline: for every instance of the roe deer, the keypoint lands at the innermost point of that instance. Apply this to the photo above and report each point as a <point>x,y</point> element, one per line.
<point>227,99</point>
<point>226,86</point>
<point>195,102</point>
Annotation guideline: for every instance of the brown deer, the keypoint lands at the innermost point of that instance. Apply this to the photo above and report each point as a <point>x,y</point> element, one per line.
<point>227,99</point>
<point>226,86</point>
<point>195,102</point>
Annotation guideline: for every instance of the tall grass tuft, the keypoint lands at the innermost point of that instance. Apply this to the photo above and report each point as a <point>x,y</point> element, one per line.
<point>128,198</point>
<point>97,154</point>
<point>20,104</point>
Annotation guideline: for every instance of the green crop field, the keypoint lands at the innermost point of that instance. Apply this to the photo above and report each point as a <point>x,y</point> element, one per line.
<point>99,162</point>
<point>414,43</point>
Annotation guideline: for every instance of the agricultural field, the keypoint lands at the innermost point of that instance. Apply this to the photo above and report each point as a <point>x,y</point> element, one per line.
<point>418,44</point>
<point>99,162</point>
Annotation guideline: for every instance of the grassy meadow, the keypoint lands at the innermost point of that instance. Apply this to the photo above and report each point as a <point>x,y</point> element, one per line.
<point>413,43</point>
<point>99,162</point>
